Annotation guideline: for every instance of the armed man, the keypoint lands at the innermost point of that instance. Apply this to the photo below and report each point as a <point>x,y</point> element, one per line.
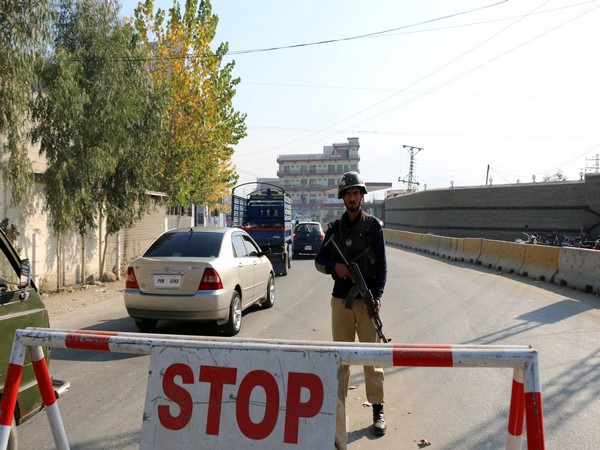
<point>360,237</point>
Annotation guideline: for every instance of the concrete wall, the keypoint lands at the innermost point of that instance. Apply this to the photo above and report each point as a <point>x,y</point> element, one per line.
<point>38,242</point>
<point>576,268</point>
<point>501,212</point>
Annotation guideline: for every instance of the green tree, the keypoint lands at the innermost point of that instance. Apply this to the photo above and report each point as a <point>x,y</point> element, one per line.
<point>24,34</point>
<point>96,117</point>
<point>556,176</point>
<point>200,124</point>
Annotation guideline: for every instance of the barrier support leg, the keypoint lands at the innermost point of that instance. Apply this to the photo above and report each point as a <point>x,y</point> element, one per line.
<point>11,391</point>
<point>533,406</point>
<point>47,390</point>
<point>516,417</point>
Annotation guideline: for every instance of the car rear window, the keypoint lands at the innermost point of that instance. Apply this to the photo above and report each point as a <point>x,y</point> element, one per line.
<point>309,228</point>
<point>193,244</point>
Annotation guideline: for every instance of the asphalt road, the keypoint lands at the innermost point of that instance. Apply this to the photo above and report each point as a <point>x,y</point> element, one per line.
<point>427,300</point>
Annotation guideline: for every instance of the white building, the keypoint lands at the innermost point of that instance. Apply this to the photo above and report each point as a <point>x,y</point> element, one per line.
<point>312,179</point>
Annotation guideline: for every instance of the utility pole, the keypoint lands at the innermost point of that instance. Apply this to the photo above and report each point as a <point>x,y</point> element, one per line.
<point>411,174</point>
<point>595,166</point>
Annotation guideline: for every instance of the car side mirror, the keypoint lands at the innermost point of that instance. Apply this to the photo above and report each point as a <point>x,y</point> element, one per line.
<point>25,273</point>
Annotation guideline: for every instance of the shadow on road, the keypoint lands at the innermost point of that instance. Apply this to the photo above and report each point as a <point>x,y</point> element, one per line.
<point>127,325</point>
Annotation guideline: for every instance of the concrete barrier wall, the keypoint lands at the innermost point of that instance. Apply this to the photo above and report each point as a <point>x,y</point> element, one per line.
<point>565,266</point>
<point>512,257</point>
<point>459,248</point>
<point>579,269</point>
<point>541,262</point>
<point>490,253</point>
<point>500,212</point>
<point>430,243</point>
<point>445,248</point>
<point>471,250</point>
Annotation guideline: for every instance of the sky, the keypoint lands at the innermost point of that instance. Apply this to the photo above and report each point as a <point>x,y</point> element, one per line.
<point>499,91</point>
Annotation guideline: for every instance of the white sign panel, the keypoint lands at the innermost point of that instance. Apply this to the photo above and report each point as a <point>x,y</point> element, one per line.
<point>207,398</point>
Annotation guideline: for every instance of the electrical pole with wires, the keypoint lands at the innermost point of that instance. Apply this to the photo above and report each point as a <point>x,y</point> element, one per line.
<point>595,166</point>
<point>411,181</point>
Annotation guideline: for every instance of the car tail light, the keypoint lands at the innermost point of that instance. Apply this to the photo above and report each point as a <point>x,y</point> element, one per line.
<point>321,236</point>
<point>210,280</point>
<point>130,280</point>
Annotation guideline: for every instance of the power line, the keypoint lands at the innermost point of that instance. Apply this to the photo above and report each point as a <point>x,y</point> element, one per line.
<point>364,36</point>
<point>381,33</point>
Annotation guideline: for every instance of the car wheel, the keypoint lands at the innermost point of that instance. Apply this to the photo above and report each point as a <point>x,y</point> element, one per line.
<point>270,297</point>
<point>145,325</point>
<point>13,442</point>
<point>234,324</point>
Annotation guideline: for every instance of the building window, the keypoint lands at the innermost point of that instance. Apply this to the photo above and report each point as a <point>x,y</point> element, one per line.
<point>312,170</point>
<point>331,182</point>
<point>331,169</point>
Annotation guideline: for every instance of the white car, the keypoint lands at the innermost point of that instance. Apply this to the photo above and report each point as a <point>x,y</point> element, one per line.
<point>199,274</point>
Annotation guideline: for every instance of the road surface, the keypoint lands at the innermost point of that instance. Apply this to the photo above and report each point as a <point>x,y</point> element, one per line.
<point>427,300</point>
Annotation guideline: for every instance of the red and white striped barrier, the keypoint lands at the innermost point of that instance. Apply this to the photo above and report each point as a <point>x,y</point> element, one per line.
<point>526,399</point>
<point>11,390</point>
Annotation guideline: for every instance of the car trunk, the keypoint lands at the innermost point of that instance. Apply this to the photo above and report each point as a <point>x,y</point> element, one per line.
<point>167,276</point>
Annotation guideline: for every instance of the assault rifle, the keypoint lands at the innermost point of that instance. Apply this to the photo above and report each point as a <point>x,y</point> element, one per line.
<point>360,287</point>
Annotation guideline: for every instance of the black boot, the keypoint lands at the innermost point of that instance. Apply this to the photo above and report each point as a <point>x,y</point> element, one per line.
<point>379,426</point>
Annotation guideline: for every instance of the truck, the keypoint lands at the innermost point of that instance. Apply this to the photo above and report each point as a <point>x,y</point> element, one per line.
<point>266,215</point>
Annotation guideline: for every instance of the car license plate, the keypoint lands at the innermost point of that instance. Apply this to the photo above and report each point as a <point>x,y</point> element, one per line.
<point>167,281</point>
<point>308,247</point>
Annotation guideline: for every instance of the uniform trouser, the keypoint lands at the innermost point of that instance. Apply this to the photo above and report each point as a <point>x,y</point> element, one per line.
<point>346,324</point>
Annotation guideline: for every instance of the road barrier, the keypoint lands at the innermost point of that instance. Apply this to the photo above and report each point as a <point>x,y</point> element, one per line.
<point>512,257</point>
<point>574,267</point>
<point>471,250</point>
<point>459,248</point>
<point>579,268</point>
<point>490,253</point>
<point>212,367</point>
<point>541,262</point>
<point>431,244</point>
<point>445,249</point>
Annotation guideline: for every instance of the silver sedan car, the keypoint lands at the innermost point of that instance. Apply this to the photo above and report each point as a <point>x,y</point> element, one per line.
<point>201,273</point>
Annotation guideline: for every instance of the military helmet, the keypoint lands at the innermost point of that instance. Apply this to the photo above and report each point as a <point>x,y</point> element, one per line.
<point>351,179</point>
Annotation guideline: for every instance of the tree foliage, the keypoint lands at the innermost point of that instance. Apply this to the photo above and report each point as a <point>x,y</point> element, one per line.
<point>24,34</point>
<point>96,115</point>
<point>556,176</point>
<point>200,124</point>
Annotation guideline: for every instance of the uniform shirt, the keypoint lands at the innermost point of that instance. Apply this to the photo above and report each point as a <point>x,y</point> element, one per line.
<point>326,259</point>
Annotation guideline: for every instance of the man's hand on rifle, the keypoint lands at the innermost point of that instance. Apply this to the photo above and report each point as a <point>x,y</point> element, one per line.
<point>341,270</point>
<point>376,306</point>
